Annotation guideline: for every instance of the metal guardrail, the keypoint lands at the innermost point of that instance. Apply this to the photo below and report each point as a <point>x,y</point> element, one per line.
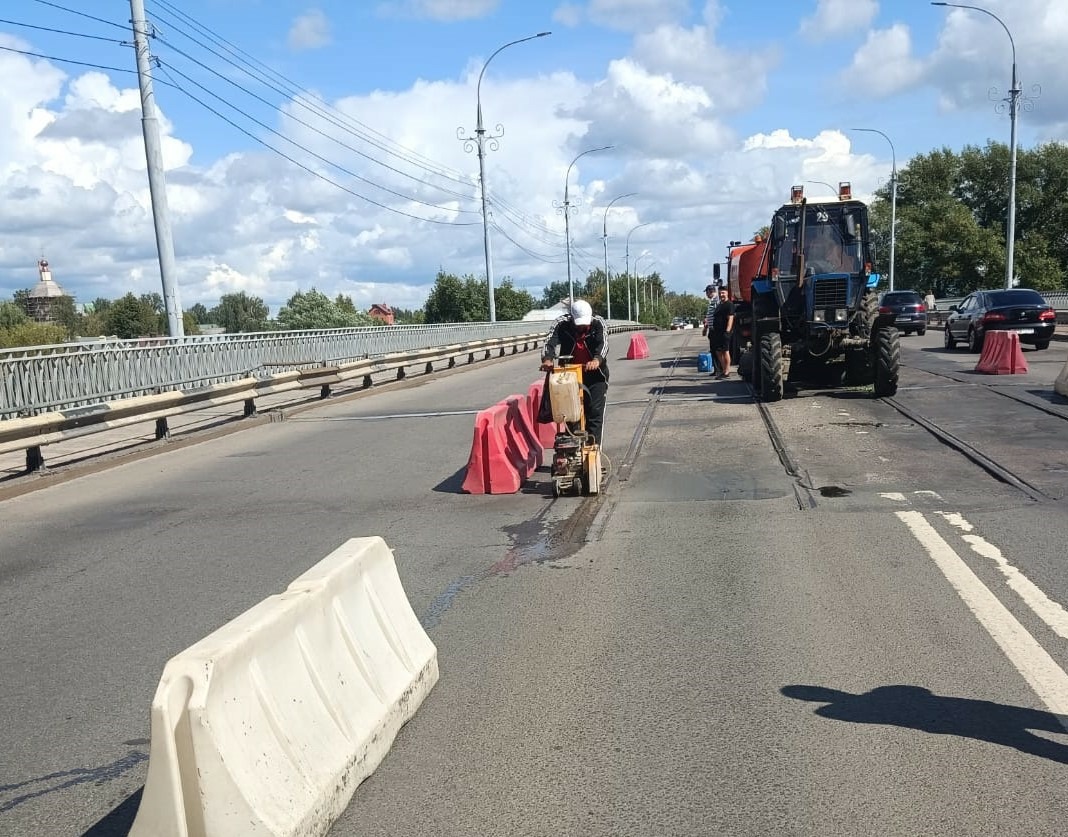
<point>40,379</point>
<point>293,363</point>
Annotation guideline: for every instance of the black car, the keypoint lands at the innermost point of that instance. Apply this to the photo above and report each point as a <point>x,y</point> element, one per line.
<point>1019,309</point>
<point>908,308</point>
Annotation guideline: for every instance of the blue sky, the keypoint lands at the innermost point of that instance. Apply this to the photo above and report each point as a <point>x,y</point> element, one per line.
<point>713,109</point>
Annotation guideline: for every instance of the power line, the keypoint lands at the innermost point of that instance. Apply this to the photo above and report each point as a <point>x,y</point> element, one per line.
<point>312,128</point>
<point>68,60</point>
<point>81,14</point>
<point>533,255</point>
<point>301,98</point>
<point>63,32</point>
<point>308,151</point>
<point>309,170</point>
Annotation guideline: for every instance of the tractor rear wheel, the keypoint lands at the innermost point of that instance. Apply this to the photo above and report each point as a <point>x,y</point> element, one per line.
<point>887,361</point>
<point>771,376</point>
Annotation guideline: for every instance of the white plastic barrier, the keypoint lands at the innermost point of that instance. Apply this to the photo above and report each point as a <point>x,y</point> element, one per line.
<point>1060,386</point>
<point>267,725</point>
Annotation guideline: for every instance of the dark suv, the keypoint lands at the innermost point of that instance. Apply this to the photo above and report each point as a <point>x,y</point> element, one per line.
<point>908,308</point>
<point>1020,309</point>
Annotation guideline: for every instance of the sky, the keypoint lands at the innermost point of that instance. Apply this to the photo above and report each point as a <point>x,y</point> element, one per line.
<point>322,144</point>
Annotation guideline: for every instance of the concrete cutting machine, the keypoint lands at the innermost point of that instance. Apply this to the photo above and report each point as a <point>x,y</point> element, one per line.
<point>576,465</point>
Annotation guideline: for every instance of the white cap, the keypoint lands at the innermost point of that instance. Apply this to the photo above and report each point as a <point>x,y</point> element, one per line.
<point>581,312</point>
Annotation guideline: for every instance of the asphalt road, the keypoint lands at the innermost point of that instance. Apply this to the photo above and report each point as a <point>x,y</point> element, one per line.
<point>873,643</point>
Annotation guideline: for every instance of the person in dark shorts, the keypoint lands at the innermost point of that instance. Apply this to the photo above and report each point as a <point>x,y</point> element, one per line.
<point>720,335</point>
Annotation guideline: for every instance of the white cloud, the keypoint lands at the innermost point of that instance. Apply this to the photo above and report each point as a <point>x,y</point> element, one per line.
<point>626,15</point>
<point>971,65</point>
<point>839,17</point>
<point>309,31</point>
<point>885,62</point>
<point>439,9</point>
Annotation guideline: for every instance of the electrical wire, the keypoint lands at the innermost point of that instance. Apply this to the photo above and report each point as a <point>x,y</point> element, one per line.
<point>82,14</point>
<point>311,127</point>
<point>533,255</point>
<point>67,60</point>
<point>300,97</point>
<point>62,32</point>
<point>309,170</point>
<point>311,153</point>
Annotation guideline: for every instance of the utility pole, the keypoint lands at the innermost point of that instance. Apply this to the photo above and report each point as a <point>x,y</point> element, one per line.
<point>157,184</point>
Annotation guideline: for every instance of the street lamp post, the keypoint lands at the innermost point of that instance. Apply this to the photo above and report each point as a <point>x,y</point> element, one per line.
<point>893,196</point>
<point>566,207</point>
<point>637,274</point>
<point>480,145</point>
<point>1013,102</point>
<point>607,278</point>
<point>824,183</point>
<point>630,316</point>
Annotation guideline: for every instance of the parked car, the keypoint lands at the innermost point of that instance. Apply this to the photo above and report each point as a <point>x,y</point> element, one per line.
<point>908,308</point>
<point>1020,309</point>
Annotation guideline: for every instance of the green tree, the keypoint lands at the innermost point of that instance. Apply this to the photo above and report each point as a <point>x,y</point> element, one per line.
<point>456,300</point>
<point>511,303</point>
<point>199,313</point>
<point>12,315</point>
<point>131,317</point>
<point>314,310</point>
<point>190,324</point>
<point>405,316</point>
<point>22,300</point>
<point>239,312</point>
<point>65,314</point>
<point>31,334</point>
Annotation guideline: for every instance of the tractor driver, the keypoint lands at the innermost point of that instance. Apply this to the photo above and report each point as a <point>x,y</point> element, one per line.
<point>584,337</point>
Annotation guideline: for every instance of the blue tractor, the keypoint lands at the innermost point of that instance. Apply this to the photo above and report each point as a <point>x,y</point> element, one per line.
<point>814,314</point>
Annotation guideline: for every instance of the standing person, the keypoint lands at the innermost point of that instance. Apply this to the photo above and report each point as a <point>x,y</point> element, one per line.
<point>584,337</point>
<point>712,294</point>
<point>929,301</point>
<point>720,339</point>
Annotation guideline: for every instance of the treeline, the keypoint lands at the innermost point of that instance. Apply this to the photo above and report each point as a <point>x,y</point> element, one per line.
<point>952,211</point>
<point>452,299</point>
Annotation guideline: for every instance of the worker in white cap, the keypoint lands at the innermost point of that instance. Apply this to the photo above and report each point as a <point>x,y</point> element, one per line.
<point>583,336</point>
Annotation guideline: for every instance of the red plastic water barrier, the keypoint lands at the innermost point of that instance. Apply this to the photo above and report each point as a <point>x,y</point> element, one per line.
<point>489,467</point>
<point>546,432</point>
<point>521,436</point>
<point>639,347</point>
<point>1002,354</point>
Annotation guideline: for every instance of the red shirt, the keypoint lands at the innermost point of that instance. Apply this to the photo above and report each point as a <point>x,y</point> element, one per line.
<point>581,354</point>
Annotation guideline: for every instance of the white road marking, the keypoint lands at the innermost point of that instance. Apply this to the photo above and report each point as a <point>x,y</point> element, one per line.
<point>1049,611</point>
<point>1034,663</point>
<point>957,520</point>
<point>932,494</point>
<point>895,496</point>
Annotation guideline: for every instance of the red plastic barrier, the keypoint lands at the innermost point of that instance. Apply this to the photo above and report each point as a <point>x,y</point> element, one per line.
<point>546,433</point>
<point>638,348</point>
<point>1002,354</point>
<point>521,435</point>
<point>489,467</point>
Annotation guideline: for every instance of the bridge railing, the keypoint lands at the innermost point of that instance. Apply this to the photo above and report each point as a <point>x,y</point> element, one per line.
<point>40,379</point>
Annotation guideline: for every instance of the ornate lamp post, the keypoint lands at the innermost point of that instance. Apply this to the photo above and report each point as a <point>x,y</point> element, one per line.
<point>1013,102</point>
<point>607,278</point>
<point>480,143</point>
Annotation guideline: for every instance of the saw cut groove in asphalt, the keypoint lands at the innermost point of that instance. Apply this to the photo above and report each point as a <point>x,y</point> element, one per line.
<point>999,390</point>
<point>802,492</point>
<point>992,467</point>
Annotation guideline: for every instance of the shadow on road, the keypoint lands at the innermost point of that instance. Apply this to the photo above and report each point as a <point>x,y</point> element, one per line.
<point>119,821</point>
<point>917,708</point>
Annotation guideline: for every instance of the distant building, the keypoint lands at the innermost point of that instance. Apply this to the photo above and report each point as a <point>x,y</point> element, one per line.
<point>383,312</point>
<point>41,302</point>
<point>546,314</point>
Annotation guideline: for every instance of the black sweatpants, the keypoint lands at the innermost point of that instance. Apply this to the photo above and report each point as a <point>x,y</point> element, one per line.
<point>594,397</point>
